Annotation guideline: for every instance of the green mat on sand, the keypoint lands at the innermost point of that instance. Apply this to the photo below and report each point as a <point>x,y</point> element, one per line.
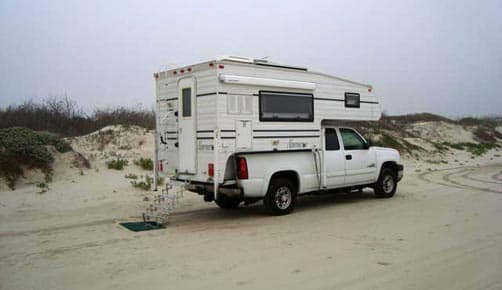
<point>142,226</point>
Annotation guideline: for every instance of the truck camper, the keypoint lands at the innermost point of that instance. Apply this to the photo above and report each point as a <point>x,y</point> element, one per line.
<point>237,129</point>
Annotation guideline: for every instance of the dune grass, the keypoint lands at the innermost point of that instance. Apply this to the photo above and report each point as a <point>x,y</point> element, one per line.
<point>24,148</point>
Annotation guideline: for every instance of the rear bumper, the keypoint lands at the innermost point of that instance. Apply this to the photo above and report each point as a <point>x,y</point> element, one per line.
<point>204,188</point>
<point>400,172</point>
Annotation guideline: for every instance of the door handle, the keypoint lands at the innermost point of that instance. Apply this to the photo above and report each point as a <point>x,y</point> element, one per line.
<point>348,157</point>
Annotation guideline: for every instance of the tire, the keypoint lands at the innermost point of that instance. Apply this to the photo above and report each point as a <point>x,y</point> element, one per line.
<point>281,197</point>
<point>227,202</point>
<point>387,183</point>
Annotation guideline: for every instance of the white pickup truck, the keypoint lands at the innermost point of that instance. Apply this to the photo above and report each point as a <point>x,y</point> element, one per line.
<point>278,177</point>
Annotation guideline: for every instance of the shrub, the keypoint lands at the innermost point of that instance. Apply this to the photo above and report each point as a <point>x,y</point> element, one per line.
<point>63,116</point>
<point>418,117</point>
<point>388,141</point>
<point>440,147</point>
<point>485,134</point>
<point>490,122</point>
<point>474,149</point>
<point>458,146</point>
<point>43,187</point>
<point>482,148</point>
<point>117,164</point>
<point>24,147</point>
<point>144,185</point>
<point>144,163</point>
<point>131,176</point>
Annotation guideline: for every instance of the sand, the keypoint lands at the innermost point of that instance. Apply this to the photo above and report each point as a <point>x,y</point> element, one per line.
<point>441,231</point>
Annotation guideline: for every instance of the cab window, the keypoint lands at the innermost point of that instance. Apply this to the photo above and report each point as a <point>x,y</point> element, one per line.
<point>352,140</point>
<point>331,140</point>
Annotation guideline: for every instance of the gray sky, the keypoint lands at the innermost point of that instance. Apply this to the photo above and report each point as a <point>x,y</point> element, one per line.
<point>437,56</point>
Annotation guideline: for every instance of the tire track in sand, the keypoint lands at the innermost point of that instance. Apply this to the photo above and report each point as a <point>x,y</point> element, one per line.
<point>446,179</point>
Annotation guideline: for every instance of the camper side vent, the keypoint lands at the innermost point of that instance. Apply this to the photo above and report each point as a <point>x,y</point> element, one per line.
<point>238,104</point>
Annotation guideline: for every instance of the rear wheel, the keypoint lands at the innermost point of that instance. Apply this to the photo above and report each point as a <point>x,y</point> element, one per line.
<point>227,202</point>
<point>281,197</point>
<point>387,183</point>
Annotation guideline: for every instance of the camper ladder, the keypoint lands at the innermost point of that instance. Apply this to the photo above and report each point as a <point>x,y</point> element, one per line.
<point>163,204</point>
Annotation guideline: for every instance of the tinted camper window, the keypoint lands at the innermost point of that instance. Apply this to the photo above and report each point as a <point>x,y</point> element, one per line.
<point>288,107</point>
<point>352,100</point>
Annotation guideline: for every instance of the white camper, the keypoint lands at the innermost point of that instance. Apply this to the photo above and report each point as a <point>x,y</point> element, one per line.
<point>237,129</point>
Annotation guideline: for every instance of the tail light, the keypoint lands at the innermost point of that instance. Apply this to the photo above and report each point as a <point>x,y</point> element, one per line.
<point>161,166</point>
<point>242,168</point>
<point>210,169</point>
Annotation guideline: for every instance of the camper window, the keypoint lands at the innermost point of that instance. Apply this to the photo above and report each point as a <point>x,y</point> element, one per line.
<point>186,94</point>
<point>352,100</point>
<point>289,107</point>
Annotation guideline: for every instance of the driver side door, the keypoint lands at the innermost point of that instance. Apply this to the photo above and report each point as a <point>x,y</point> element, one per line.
<point>360,159</point>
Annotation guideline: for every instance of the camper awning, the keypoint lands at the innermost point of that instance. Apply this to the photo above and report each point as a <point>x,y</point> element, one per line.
<point>243,80</point>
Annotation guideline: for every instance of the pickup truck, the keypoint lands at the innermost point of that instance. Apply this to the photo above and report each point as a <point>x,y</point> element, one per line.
<point>346,161</point>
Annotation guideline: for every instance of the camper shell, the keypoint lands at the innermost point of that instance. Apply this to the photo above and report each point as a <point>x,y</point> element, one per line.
<point>210,113</point>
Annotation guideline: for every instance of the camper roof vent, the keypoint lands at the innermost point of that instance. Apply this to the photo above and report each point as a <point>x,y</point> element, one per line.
<point>236,58</point>
<point>260,60</point>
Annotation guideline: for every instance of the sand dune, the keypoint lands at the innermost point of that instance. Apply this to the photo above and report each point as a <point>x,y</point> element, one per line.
<point>441,230</point>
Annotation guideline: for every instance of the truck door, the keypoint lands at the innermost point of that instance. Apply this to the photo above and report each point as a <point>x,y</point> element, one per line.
<point>187,126</point>
<point>360,162</point>
<point>334,159</point>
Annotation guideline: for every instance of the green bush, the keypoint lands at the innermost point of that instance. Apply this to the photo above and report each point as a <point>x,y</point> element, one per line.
<point>24,147</point>
<point>388,141</point>
<point>482,148</point>
<point>392,142</point>
<point>131,176</point>
<point>144,163</point>
<point>43,187</point>
<point>144,185</point>
<point>117,164</point>
<point>458,146</point>
<point>473,148</point>
<point>440,147</point>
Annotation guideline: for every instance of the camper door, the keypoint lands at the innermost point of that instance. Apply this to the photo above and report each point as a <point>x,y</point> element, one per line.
<point>187,126</point>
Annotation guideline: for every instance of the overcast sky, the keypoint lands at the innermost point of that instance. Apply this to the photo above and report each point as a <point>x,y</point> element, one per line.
<point>437,56</point>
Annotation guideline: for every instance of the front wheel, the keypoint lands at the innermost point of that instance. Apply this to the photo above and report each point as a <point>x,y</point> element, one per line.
<point>281,197</point>
<point>387,183</point>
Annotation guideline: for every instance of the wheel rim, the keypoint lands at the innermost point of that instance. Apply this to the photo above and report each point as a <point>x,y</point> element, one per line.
<point>388,184</point>
<point>283,197</point>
